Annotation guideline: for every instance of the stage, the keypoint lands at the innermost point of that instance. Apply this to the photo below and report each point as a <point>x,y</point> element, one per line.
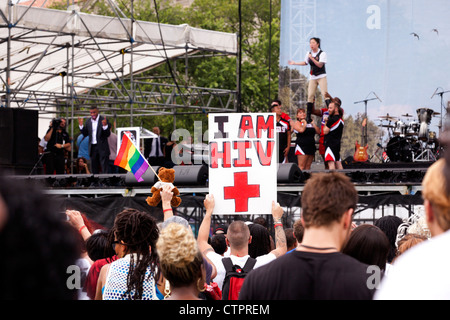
<point>101,197</point>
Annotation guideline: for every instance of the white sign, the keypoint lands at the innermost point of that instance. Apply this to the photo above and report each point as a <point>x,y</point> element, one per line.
<point>243,162</point>
<point>134,134</point>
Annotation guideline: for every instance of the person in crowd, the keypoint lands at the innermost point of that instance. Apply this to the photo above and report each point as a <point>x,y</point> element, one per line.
<point>221,229</point>
<point>283,131</point>
<point>369,245</point>
<point>219,243</point>
<point>98,129</point>
<point>407,242</point>
<point>181,262</point>
<point>328,202</point>
<point>38,245</point>
<point>238,238</point>
<point>82,166</point>
<point>305,147</point>
<point>298,230</point>
<point>100,251</point>
<point>98,246</point>
<point>112,143</point>
<point>421,272</point>
<point>291,241</point>
<point>170,218</point>
<point>260,244</point>
<point>58,140</point>
<point>333,134</point>
<point>262,221</point>
<point>170,149</point>
<point>157,146</point>
<point>389,225</point>
<point>83,147</point>
<point>135,275</point>
<point>316,59</point>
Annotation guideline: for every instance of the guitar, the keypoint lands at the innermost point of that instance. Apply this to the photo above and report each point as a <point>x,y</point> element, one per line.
<point>360,151</point>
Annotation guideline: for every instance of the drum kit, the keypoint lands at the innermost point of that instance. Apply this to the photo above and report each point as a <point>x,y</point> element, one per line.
<point>411,140</point>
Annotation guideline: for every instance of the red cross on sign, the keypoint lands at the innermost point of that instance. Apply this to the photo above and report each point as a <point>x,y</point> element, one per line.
<point>241,191</point>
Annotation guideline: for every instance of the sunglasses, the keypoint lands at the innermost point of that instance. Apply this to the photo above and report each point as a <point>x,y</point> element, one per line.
<point>275,105</point>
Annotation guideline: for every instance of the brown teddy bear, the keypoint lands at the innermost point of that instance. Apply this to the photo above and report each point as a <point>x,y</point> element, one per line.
<point>166,176</point>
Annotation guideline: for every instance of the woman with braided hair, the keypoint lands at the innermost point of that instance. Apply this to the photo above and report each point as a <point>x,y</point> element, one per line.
<point>135,275</point>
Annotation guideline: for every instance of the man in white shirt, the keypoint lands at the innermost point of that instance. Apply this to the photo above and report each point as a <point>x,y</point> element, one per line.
<point>421,273</point>
<point>98,129</point>
<point>238,238</point>
<point>157,146</point>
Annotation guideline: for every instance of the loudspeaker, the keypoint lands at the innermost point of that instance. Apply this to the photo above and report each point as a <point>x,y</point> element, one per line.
<point>6,136</point>
<point>18,137</point>
<point>25,136</point>
<point>289,172</point>
<point>149,178</point>
<point>191,175</point>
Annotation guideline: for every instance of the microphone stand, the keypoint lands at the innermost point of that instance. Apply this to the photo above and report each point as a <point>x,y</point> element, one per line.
<point>365,115</point>
<point>39,160</point>
<point>442,105</point>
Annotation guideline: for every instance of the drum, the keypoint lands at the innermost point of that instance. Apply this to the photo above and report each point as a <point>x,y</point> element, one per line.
<point>399,129</point>
<point>432,137</point>
<point>400,149</point>
<point>412,129</point>
<point>425,115</point>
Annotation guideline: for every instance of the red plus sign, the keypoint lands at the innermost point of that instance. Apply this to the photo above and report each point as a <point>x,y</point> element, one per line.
<point>241,191</point>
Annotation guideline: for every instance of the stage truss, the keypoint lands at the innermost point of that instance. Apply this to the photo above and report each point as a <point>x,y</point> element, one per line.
<point>59,62</point>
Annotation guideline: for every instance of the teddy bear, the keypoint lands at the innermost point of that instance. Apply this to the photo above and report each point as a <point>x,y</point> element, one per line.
<point>166,176</point>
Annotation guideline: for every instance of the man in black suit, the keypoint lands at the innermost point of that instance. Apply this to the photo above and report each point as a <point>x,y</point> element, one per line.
<point>156,149</point>
<point>98,129</point>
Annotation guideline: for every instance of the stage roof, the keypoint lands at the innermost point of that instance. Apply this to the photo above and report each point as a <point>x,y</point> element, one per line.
<point>49,48</point>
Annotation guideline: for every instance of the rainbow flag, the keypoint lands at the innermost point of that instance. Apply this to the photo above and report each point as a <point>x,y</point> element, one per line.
<point>131,159</point>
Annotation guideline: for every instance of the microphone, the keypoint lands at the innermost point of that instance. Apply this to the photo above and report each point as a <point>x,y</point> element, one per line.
<point>435,91</point>
<point>379,145</point>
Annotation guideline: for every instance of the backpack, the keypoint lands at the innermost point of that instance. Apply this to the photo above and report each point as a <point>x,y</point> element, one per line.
<point>234,277</point>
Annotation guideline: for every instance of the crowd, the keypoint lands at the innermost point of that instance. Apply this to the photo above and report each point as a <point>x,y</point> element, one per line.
<point>64,255</point>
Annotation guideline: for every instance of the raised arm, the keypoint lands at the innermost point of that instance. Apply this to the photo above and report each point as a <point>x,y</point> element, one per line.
<point>280,235</point>
<point>203,231</point>
<point>166,198</point>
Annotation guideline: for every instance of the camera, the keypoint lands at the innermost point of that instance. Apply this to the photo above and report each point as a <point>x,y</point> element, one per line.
<point>56,123</point>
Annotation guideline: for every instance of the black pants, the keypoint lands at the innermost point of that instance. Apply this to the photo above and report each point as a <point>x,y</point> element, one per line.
<point>55,163</point>
<point>99,162</point>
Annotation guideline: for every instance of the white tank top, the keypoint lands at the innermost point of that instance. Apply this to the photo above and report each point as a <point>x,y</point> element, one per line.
<point>116,281</point>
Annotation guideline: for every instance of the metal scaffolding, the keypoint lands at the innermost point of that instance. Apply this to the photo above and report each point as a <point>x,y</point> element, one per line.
<point>58,62</point>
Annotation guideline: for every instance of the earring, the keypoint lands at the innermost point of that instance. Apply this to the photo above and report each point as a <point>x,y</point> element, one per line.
<point>200,288</point>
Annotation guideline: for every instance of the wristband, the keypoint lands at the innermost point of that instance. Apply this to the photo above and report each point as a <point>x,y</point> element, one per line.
<point>164,211</point>
<point>278,225</point>
<point>82,227</point>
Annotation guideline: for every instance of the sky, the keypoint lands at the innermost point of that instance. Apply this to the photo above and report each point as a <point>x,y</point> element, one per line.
<point>371,51</point>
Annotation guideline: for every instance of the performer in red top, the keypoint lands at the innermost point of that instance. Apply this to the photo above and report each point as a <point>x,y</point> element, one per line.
<point>333,135</point>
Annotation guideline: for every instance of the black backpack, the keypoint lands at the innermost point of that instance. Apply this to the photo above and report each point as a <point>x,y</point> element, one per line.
<point>234,277</point>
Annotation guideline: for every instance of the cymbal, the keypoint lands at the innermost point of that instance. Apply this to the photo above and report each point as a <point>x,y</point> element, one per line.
<point>436,113</point>
<point>387,117</point>
<point>407,115</point>
<point>387,126</point>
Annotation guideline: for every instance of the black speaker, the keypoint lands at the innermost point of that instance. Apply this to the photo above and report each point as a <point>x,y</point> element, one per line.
<point>6,136</point>
<point>191,175</point>
<point>289,172</point>
<point>149,178</point>
<point>25,136</point>
<point>18,139</point>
